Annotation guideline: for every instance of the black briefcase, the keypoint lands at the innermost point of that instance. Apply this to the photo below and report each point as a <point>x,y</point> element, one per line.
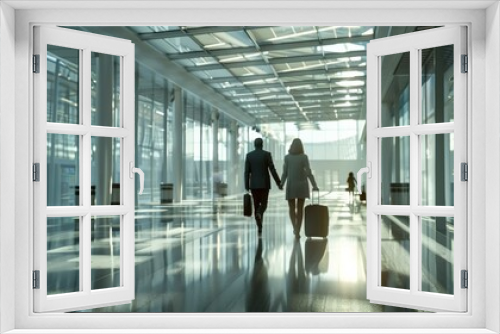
<point>247,205</point>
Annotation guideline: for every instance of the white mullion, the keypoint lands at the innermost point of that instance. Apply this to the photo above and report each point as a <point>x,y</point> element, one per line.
<point>395,210</point>
<point>388,132</point>
<point>414,168</point>
<point>127,193</point>
<point>86,245</point>
<point>66,211</point>
<point>108,210</point>
<point>406,210</point>
<point>67,129</point>
<point>123,263</point>
<point>460,191</point>
<point>434,211</point>
<point>432,129</point>
<point>82,200</point>
<point>86,99</point>
<point>40,156</point>
<point>110,132</point>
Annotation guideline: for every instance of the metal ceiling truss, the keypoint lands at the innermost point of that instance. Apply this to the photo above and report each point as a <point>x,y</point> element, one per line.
<point>302,80</point>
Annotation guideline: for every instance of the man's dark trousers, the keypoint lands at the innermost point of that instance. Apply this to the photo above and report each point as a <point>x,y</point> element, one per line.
<point>260,197</point>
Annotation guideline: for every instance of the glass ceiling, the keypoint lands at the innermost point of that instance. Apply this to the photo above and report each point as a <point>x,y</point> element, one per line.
<point>297,74</point>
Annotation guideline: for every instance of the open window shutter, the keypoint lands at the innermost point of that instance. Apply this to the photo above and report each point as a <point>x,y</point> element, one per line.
<point>84,187</point>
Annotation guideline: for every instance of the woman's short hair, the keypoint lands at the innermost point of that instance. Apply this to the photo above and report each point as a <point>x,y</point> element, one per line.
<point>296,147</point>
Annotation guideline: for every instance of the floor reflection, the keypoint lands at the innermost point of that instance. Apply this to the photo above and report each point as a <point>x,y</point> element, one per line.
<point>204,257</point>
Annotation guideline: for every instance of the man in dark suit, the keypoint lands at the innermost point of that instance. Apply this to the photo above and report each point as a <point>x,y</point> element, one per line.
<point>258,164</point>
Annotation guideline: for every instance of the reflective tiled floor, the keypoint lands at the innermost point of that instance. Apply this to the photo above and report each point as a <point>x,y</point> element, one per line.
<point>206,257</point>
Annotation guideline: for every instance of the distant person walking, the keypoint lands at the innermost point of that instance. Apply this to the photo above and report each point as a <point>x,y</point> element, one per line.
<point>297,171</point>
<point>351,186</point>
<point>258,165</point>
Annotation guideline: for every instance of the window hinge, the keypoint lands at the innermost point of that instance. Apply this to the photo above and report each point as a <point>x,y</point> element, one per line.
<point>465,64</point>
<point>36,279</point>
<point>36,172</point>
<point>465,279</point>
<point>464,172</point>
<point>36,63</point>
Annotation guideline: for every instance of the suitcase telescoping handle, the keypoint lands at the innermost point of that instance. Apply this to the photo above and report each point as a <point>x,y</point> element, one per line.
<point>317,192</point>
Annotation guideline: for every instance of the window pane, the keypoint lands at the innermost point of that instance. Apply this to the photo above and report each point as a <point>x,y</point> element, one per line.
<point>395,93</point>
<point>437,169</point>
<point>395,171</point>
<point>395,252</point>
<point>105,89</point>
<point>63,87</point>
<point>437,85</point>
<point>106,170</point>
<point>63,174</point>
<point>63,255</point>
<point>105,252</point>
<point>437,254</point>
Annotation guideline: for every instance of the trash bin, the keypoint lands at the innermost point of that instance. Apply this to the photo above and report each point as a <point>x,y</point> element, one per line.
<point>167,192</point>
<point>222,188</point>
<point>400,193</point>
<point>77,195</point>
<point>115,194</point>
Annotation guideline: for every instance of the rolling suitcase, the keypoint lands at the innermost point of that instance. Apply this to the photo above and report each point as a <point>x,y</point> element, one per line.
<point>247,205</point>
<point>316,219</point>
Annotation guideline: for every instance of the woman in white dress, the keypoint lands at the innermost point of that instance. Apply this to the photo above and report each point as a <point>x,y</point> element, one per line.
<point>296,171</point>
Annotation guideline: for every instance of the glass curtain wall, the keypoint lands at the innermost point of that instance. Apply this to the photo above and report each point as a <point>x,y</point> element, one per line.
<point>198,149</point>
<point>154,136</point>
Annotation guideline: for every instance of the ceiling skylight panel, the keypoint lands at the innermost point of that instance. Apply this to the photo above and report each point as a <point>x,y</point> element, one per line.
<point>350,83</point>
<point>240,57</point>
<point>178,45</point>
<point>342,47</point>
<point>348,74</point>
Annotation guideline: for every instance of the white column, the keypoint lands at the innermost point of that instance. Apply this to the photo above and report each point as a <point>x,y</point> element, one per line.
<point>234,176</point>
<point>178,158</point>
<point>215,152</point>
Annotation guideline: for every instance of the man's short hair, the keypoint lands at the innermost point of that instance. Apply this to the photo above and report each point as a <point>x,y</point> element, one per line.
<point>259,142</point>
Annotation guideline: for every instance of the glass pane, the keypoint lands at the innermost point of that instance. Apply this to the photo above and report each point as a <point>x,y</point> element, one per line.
<point>395,252</point>
<point>105,89</point>
<point>437,169</point>
<point>105,252</point>
<point>63,87</point>
<point>106,170</point>
<point>437,85</point>
<point>63,255</point>
<point>395,170</point>
<point>437,254</point>
<point>395,91</point>
<point>63,173</point>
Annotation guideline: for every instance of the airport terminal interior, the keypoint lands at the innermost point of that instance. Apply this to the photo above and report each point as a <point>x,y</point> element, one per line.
<point>203,94</point>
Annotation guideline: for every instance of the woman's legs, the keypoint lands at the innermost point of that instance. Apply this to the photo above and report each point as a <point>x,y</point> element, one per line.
<point>291,213</point>
<point>296,212</point>
<point>300,213</point>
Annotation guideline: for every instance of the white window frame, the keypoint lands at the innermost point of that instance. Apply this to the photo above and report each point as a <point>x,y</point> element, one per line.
<point>483,307</point>
<point>85,43</point>
<point>413,43</point>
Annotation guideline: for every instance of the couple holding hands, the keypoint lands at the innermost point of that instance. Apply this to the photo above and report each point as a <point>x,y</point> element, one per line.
<point>296,172</point>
